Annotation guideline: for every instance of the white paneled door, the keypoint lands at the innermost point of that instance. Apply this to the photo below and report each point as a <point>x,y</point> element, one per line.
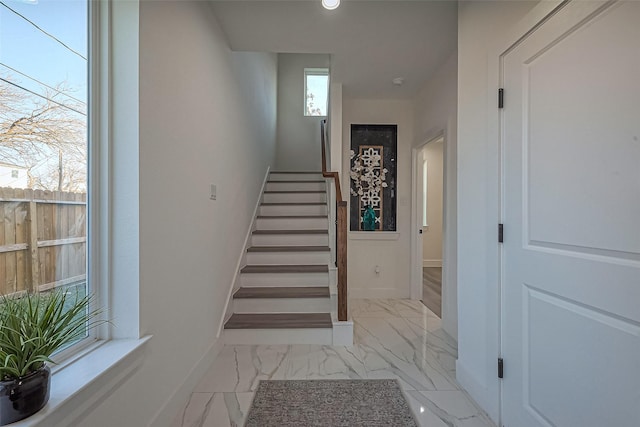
<point>571,193</point>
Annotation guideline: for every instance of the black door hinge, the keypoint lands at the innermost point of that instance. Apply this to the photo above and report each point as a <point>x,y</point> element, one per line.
<point>500,98</point>
<point>500,368</point>
<point>500,233</point>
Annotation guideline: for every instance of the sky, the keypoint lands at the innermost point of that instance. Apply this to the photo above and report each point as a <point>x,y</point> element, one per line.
<point>318,86</point>
<point>30,51</point>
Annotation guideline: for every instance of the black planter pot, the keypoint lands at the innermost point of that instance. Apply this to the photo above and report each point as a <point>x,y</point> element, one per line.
<point>24,397</point>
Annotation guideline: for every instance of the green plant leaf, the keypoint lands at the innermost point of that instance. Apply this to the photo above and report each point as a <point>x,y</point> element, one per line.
<point>34,326</point>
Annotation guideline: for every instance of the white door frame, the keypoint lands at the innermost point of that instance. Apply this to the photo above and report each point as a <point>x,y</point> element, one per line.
<point>416,215</point>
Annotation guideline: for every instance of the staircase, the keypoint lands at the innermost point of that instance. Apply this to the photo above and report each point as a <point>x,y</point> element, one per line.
<point>284,295</point>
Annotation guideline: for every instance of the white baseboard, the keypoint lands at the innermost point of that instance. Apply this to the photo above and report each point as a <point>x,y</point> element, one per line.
<point>432,263</point>
<point>377,293</point>
<point>178,401</point>
<point>479,393</point>
<point>236,275</point>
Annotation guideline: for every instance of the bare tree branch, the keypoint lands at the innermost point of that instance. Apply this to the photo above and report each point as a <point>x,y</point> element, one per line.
<point>34,131</point>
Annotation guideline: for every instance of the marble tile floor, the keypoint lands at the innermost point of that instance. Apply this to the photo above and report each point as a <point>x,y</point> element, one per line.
<point>398,339</point>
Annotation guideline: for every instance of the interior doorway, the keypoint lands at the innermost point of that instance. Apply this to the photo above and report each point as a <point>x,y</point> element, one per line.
<point>429,196</point>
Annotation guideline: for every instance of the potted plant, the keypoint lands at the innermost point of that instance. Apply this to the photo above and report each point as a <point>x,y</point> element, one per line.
<point>34,326</point>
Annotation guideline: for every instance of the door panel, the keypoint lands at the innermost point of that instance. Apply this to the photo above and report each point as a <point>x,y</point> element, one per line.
<point>582,145</point>
<point>553,339</point>
<point>571,288</point>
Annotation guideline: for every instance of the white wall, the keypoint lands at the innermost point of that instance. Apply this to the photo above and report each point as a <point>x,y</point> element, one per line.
<point>196,98</point>
<point>335,126</point>
<point>298,136</point>
<point>436,114</point>
<point>478,297</point>
<point>391,256</point>
<point>433,155</point>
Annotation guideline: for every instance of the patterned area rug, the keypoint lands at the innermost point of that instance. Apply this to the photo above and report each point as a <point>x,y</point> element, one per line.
<point>352,403</point>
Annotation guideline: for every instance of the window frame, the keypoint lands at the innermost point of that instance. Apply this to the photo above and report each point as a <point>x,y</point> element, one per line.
<point>315,72</point>
<point>93,256</point>
<point>88,376</point>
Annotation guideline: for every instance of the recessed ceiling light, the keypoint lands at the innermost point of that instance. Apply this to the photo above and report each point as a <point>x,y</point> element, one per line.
<point>398,81</point>
<point>330,4</point>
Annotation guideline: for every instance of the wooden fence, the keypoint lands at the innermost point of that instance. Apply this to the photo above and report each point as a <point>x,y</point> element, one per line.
<point>43,239</point>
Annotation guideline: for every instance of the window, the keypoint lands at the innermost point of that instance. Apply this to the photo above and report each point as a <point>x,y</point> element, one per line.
<point>44,130</point>
<point>15,173</point>
<point>316,89</point>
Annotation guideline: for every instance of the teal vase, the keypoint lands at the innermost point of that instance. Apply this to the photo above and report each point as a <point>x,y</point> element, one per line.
<point>369,219</point>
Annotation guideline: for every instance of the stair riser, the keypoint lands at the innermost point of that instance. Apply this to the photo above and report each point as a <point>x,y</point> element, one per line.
<point>294,197</point>
<point>292,223</point>
<point>289,210</point>
<point>284,279</point>
<point>274,176</point>
<point>290,240</point>
<point>296,186</point>
<point>284,258</point>
<point>282,305</point>
<point>278,336</point>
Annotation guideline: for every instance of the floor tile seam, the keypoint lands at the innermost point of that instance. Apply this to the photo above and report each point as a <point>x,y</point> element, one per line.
<point>481,411</point>
<point>433,342</point>
<point>433,363</point>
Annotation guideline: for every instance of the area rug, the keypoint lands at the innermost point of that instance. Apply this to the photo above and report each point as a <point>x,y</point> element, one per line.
<point>352,403</point>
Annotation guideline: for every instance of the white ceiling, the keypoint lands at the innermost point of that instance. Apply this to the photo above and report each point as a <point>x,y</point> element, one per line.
<point>371,42</point>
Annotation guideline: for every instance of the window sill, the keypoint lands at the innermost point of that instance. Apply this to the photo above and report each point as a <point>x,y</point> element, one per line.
<point>374,235</point>
<point>82,384</point>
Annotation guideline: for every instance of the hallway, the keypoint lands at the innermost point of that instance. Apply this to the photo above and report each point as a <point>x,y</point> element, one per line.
<point>432,289</point>
<point>394,339</point>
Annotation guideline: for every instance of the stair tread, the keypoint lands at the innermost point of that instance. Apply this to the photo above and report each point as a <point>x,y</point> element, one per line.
<point>283,292</point>
<point>295,191</point>
<point>295,204</point>
<point>291,232</point>
<point>289,249</point>
<point>295,268</point>
<point>295,172</point>
<point>301,181</point>
<point>291,216</point>
<point>279,321</point>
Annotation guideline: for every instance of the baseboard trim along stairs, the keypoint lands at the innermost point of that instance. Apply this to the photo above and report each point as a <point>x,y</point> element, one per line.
<point>283,295</point>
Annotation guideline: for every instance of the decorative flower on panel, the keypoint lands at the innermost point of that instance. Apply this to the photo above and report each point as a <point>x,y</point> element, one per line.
<point>367,176</point>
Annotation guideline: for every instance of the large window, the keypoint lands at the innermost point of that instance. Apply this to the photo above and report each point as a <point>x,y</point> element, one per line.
<point>316,90</point>
<point>43,146</point>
